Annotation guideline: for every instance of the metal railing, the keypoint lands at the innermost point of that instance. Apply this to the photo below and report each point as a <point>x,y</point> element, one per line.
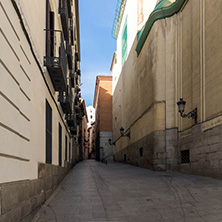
<point>55,51</point>
<point>70,118</point>
<point>66,100</point>
<point>69,55</point>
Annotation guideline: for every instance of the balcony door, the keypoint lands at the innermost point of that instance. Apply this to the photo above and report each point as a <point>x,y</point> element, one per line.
<point>50,26</point>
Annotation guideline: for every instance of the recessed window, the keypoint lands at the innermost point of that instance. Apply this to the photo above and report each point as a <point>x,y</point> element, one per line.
<point>124,157</point>
<point>66,148</point>
<point>141,151</point>
<point>69,152</point>
<point>185,156</point>
<point>48,133</point>
<point>60,145</point>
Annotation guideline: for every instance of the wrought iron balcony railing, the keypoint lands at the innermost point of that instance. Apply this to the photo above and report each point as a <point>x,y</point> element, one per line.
<point>55,59</point>
<point>65,99</point>
<point>78,72</point>
<point>71,76</point>
<point>69,55</point>
<point>73,130</point>
<point>70,118</point>
<point>63,11</point>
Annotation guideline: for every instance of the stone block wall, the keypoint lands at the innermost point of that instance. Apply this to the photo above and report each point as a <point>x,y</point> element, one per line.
<point>156,151</point>
<point>106,153</point>
<point>205,151</point>
<point>20,201</point>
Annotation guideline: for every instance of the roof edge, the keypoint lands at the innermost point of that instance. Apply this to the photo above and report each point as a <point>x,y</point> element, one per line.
<point>157,14</point>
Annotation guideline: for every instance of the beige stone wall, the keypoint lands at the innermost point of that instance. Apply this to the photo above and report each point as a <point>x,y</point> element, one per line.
<point>139,101</point>
<point>199,60</point>
<point>181,58</point>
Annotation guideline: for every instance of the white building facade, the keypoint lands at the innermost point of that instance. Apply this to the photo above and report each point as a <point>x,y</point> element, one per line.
<point>40,76</point>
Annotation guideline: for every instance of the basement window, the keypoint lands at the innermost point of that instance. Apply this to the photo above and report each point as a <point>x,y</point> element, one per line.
<point>124,157</point>
<point>141,151</point>
<point>185,156</point>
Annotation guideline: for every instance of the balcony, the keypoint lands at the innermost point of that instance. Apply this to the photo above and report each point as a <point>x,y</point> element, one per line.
<point>63,11</point>
<point>69,55</point>
<point>78,72</point>
<point>70,119</point>
<point>71,76</point>
<point>55,59</point>
<point>73,130</point>
<point>77,80</point>
<point>65,99</point>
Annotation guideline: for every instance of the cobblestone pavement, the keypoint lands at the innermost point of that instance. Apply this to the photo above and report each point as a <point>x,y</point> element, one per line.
<point>93,191</point>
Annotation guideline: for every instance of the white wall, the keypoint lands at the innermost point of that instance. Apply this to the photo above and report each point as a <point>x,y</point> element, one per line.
<point>130,14</point>
<point>23,94</point>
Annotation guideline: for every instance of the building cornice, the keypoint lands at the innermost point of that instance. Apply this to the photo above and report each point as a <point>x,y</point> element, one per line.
<point>157,14</point>
<point>120,7</point>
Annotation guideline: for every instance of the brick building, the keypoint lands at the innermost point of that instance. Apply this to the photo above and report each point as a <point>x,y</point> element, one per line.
<point>103,117</point>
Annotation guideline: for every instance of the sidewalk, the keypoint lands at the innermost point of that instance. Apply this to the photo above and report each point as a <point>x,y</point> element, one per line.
<point>93,191</point>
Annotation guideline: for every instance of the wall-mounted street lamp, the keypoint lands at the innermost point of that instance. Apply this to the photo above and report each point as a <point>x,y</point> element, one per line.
<point>122,133</point>
<point>181,107</point>
<point>110,142</point>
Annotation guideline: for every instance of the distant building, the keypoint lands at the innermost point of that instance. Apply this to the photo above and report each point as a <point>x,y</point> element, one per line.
<point>84,131</point>
<point>40,78</point>
<point>91,115</point>
<point>91,138</point>
<point>103,117</point>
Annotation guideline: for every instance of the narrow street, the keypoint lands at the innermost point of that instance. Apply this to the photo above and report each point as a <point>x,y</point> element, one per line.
<point>93,191</point>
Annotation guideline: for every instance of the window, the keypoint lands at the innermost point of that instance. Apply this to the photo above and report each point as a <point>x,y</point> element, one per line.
<point>69,152</point>
<point>60,145</point>
<point>66,148</point>
<point>141,151</point>
<point>48,133</point>
<point>50,23</point>
<point>124,43</point>
<point>185,156</point>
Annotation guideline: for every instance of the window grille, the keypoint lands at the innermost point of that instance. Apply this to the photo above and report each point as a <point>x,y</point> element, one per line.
<point>185,156</point>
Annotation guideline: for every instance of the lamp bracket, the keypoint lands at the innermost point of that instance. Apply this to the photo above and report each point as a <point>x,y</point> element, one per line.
<point>192,114</point>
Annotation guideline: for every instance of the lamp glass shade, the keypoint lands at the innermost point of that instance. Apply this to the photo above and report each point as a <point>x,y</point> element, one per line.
<point>181,105</point>
<point>121,131</point>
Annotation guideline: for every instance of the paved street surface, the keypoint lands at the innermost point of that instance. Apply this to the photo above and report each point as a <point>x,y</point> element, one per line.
<point>94,191</point>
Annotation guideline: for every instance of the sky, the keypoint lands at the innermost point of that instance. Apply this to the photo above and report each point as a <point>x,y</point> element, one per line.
<point>96,43</point>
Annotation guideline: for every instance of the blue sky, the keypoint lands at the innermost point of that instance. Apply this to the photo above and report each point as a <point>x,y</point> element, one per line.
<point>96,43</point>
